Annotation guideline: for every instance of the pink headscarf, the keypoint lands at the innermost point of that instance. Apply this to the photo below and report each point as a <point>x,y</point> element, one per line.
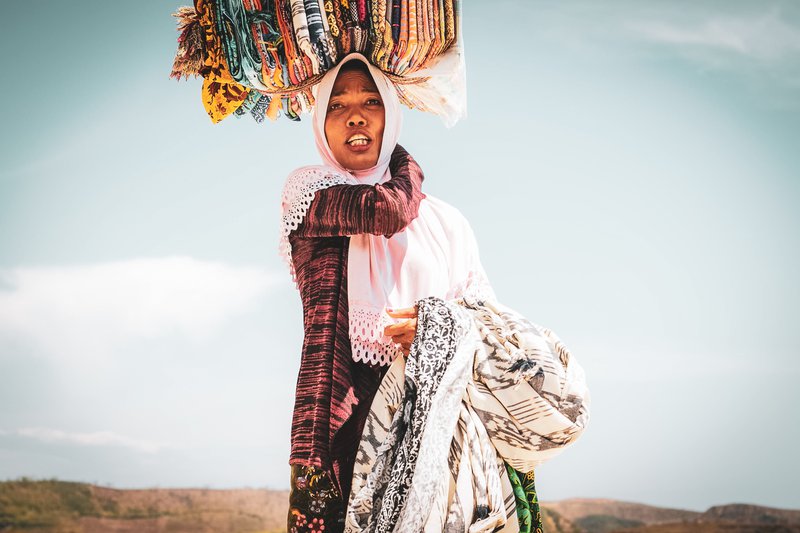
<point>435,255</point>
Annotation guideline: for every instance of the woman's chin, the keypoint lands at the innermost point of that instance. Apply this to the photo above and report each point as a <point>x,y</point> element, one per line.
<point>360,162</point>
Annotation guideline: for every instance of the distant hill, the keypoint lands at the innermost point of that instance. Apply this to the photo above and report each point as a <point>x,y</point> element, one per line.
<point>51,506</point>
<point>606,516</point>
<point>711,527</point>
<point>67,507</point>
<point>603,515</point>
<point>752,514</point>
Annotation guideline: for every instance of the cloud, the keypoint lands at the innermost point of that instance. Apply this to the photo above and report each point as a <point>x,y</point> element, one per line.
<point>756,45</point>
<point>764,38</point>
<point>97,438</point>
<point>85,311</point>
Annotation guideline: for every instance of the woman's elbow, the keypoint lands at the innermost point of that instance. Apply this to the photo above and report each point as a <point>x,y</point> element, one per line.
<point>394,224</point>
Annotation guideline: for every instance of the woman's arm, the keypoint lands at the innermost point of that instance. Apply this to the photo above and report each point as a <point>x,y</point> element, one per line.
<point>382,209</point>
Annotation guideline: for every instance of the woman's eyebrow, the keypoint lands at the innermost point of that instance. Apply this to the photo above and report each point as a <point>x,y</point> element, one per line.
<point>366,89</point>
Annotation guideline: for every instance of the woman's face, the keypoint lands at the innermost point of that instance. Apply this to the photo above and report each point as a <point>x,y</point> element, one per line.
<point>354,120</point>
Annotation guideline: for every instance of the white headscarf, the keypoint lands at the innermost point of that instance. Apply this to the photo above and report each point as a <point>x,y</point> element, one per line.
<point>393,122</point>
<point>435,255</point>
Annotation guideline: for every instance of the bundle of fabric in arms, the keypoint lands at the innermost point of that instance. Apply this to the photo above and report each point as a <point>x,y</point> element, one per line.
<point>265,57</point>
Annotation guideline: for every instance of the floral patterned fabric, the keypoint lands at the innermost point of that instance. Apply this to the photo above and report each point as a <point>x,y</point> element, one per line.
<point>315,506</point>
<point>528,513</point>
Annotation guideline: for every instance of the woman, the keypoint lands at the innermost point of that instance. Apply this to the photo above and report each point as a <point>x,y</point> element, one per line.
<point>360,238</point>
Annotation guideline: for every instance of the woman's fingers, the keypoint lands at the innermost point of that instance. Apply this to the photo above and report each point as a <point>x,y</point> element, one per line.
<point>406,312</point>
<point>403,339</point>
<point>403,333</point>
<point>401,327</point>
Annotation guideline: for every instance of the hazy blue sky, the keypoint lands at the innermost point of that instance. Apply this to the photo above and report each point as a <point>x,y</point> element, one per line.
<point>631,171</point>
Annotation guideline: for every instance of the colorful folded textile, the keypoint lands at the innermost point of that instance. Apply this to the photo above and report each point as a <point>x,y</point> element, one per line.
<point>261,57</point>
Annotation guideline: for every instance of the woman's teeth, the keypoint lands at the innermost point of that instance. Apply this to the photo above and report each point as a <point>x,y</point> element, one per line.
<point>358,141</point>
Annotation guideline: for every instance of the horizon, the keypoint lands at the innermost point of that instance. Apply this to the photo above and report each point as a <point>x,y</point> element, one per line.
<point>269,489</point>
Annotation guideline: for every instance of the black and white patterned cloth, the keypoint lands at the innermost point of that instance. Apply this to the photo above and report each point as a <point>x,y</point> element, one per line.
<point>481,385</point>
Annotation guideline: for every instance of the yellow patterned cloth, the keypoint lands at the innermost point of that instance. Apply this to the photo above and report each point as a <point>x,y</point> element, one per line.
<point>221,94</point>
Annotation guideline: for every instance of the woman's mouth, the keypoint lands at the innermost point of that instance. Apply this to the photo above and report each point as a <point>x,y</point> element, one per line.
<point>358,142</point>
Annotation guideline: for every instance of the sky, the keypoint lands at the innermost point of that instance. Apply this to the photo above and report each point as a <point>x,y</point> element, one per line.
<point>630,170</point>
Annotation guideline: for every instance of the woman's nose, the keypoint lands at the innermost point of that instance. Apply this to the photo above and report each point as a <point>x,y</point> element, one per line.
<point>356,120</point>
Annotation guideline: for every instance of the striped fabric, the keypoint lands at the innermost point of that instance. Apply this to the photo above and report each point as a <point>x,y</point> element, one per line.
<point>333,391</point>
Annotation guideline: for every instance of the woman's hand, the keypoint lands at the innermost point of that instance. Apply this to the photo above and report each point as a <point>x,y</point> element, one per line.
<point>403,332</point>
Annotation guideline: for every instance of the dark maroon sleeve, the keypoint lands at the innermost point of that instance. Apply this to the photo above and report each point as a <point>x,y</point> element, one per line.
<point>381,209</point>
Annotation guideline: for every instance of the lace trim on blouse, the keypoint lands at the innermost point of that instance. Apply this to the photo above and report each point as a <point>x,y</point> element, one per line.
<point>298,193</point>
<point>368,342</point>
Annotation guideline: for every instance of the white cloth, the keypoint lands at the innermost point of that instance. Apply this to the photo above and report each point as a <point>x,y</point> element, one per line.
<point>436,255</point>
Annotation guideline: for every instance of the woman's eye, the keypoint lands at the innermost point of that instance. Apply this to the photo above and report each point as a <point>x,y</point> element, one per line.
<point>334,106</point>
<point>374,101</point>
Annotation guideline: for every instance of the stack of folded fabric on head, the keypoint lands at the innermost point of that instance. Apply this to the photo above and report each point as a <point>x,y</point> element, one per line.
<point>261,57</point>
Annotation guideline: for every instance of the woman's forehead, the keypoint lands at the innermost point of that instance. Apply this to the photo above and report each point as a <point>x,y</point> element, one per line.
<point>353,81</point>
